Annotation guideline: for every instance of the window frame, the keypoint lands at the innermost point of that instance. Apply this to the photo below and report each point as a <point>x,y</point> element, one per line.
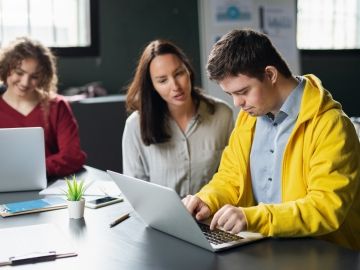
<point>93,49</point>
<point>326,52</point>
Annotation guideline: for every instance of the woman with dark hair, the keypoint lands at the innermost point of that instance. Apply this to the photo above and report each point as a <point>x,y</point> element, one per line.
<point>176,134</point>
<point>28,72</point>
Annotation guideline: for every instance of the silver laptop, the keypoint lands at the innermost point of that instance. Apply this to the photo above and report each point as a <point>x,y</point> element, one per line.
<point>22,159</point>
<point>161,208</point>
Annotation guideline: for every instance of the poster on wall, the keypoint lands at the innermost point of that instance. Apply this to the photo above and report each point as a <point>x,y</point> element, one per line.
<point>279,23</point>
<point>230,12</point>
<point>276,18</point>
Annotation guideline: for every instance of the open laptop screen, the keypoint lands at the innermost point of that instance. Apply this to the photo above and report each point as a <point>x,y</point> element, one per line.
<point>22,159</point>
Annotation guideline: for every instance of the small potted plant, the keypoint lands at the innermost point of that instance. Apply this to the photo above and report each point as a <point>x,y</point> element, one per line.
<point>74,194</point>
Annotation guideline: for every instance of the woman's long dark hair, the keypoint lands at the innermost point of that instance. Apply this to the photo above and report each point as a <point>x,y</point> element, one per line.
<point>143,97</point>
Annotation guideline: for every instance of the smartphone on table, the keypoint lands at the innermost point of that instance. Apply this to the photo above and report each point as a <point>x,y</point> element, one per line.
<point>103,201</point>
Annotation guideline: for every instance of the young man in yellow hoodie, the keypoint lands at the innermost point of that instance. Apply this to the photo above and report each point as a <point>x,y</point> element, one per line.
<point>292,165</point>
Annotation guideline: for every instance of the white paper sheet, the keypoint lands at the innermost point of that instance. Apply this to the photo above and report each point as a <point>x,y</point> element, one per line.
<point>34,239</point>
<point>94,188</point>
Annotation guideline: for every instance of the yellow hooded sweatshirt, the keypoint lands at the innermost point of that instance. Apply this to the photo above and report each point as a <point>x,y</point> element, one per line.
<point>320,175</point>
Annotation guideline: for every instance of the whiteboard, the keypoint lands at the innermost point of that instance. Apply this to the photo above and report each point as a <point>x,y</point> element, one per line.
<point>276,18</point>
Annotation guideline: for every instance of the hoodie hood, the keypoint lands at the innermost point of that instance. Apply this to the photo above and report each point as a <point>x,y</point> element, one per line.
<point>316,99</point>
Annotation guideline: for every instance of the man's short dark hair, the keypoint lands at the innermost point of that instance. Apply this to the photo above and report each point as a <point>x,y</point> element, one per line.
<point>244,52</point>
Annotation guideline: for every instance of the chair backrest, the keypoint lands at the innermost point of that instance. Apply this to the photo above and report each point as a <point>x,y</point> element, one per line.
<point>101,124</point>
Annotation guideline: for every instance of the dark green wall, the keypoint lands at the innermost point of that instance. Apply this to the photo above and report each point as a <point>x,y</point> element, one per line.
<point>339,73</point>
<point>125,28</point>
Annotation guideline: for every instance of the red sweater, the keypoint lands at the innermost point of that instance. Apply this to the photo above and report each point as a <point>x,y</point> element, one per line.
<point>62,143</point>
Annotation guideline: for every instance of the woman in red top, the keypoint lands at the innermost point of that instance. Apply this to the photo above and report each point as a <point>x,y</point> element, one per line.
<point>28,71</point>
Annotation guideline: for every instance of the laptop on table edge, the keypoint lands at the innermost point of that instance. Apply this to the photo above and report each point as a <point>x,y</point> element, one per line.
<point>162,209</point>
<point>22,159</point>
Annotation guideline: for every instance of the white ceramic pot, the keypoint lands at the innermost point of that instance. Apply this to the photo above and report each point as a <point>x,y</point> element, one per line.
<point>76,208</point>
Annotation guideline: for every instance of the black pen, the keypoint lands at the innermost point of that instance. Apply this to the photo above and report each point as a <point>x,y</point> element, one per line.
<point>36,257</point>
<point>119,220</point>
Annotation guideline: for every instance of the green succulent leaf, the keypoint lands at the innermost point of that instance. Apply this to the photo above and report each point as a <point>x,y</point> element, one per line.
<point>76,189</point>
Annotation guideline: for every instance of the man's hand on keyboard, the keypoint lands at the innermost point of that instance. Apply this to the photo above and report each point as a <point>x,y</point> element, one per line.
<point>196,207</point>
<point>229,218</point>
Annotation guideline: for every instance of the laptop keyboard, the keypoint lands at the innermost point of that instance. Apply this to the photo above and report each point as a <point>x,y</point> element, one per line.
<point>217,236</point>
